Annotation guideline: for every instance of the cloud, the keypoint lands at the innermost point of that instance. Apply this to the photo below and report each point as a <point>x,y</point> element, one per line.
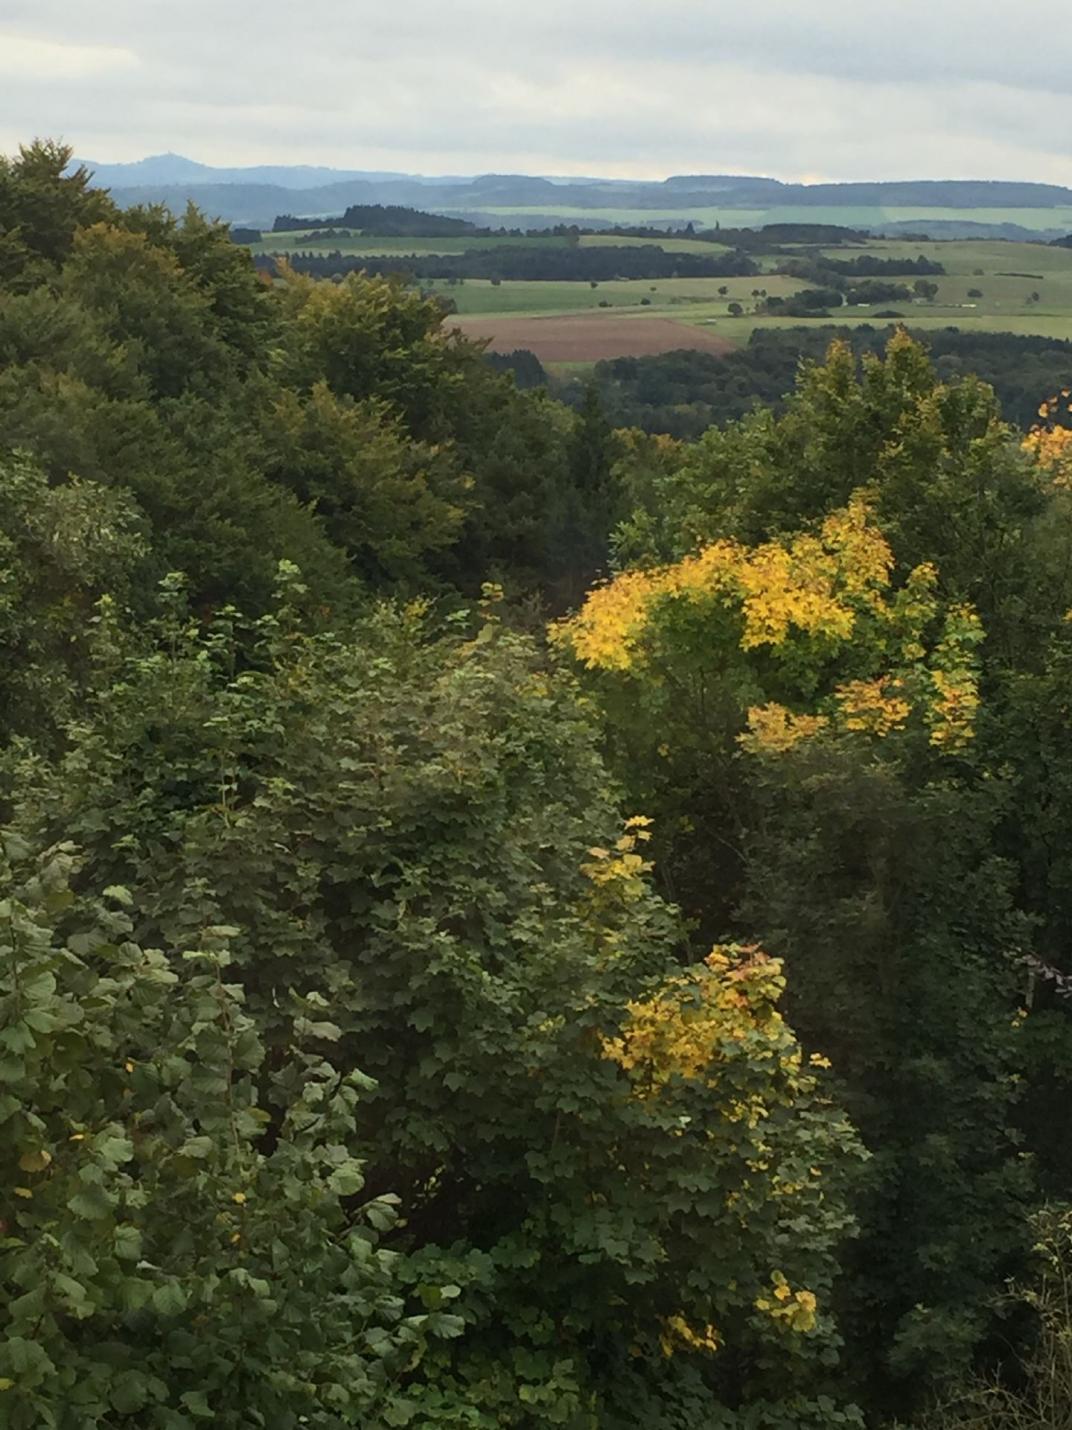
<point>50,60</point>
<point>831,88</point>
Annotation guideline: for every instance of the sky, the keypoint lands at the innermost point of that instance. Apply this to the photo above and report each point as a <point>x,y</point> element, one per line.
<point>796,89</point>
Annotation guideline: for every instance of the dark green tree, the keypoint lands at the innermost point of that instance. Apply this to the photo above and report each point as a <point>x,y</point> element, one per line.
<point>618,1155</point>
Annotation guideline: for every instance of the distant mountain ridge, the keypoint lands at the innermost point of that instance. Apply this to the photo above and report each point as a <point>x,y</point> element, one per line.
<point>166,169</point>
<point>255,195</point>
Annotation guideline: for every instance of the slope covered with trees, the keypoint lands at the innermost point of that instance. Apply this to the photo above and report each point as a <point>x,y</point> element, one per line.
<point>144,355</point>
<point>683,393</point>
<point>509,922</point>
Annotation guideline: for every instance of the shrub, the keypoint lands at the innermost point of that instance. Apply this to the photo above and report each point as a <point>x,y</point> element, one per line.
<point>182,1239</point>
<point>1041,1397</point>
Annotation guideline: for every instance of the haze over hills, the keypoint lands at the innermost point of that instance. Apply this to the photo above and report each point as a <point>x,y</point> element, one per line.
<point>177,169</point>
<point>255,195</point>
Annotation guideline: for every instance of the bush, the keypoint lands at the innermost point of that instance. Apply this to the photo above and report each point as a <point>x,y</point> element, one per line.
<point>1041,1397</point>
<point>182,1241</point>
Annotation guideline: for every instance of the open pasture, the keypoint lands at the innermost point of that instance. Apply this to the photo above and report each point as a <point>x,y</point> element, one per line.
<point>969,257</point>
<point>737,331</point>
<point>478,295</point>
<point>988,285</point>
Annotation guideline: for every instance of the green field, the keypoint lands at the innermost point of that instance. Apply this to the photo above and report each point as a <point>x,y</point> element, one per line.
<point>923,317</point>
<point>970,255</point>
<point>1007,275</point>
<point>989,285</point>
<point>674,296</point>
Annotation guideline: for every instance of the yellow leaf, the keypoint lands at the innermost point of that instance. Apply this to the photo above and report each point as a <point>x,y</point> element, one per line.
<point>35,1161</point>
<point>24,1193</point>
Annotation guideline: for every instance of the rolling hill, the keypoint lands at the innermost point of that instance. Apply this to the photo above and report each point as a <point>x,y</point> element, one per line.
<point>255,195</point>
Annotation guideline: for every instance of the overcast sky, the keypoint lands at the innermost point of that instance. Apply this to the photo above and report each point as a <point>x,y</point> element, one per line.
<point>798,89</point>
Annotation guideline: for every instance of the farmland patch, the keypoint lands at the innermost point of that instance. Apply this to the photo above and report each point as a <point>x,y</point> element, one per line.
<point>589,337</point>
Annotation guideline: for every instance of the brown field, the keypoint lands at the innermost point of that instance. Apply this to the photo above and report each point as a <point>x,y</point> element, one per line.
<point>587,337</point>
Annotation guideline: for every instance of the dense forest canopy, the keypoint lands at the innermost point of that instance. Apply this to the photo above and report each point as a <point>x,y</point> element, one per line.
<point>391,219</point>
<point>683,393</point>
<point>509,919</point>
<point>540,262</point>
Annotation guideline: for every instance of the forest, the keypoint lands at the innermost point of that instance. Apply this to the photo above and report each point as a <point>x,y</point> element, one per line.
<point>683,393</point>
<point>508,919</point>
<point>540,262</point>
<point>392,219</point>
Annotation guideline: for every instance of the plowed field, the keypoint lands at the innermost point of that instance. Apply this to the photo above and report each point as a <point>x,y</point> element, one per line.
<point>588,337</point>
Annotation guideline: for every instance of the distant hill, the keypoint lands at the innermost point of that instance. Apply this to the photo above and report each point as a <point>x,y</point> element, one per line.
<point>390,221</point>
<point>170,169</point>
<point>965,228</point>
<point>257,195</point>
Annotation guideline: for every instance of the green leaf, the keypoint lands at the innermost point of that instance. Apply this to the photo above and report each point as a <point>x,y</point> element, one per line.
<point>381,1213</point>
<point>328,1032</point>
<point>348,1178</point>
<point>197,1148</point>
<point>29,1361</point>
<point>128,1242</point>
<point>92,1204</point>
<point>169,1299</point>
<point>197,1404</point>
<point>74,1294</point>
<point>441,1323</point>
<point>399,1412</point>
<point>129,1392</point>
<point>113,1149</point>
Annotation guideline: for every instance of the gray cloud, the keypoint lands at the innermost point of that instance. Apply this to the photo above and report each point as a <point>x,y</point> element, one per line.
<point>831,88</point>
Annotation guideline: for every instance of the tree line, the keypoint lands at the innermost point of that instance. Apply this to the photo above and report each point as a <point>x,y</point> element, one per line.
<point>383,219</point>
<point>538,263</point>
<point>683,393</point>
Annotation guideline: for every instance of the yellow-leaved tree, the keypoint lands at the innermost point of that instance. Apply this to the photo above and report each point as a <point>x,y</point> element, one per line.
<point>793,673</point>
<point>810,629</point>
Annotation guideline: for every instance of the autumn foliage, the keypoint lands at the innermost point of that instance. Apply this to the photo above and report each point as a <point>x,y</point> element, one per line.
<point>507,923</point>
